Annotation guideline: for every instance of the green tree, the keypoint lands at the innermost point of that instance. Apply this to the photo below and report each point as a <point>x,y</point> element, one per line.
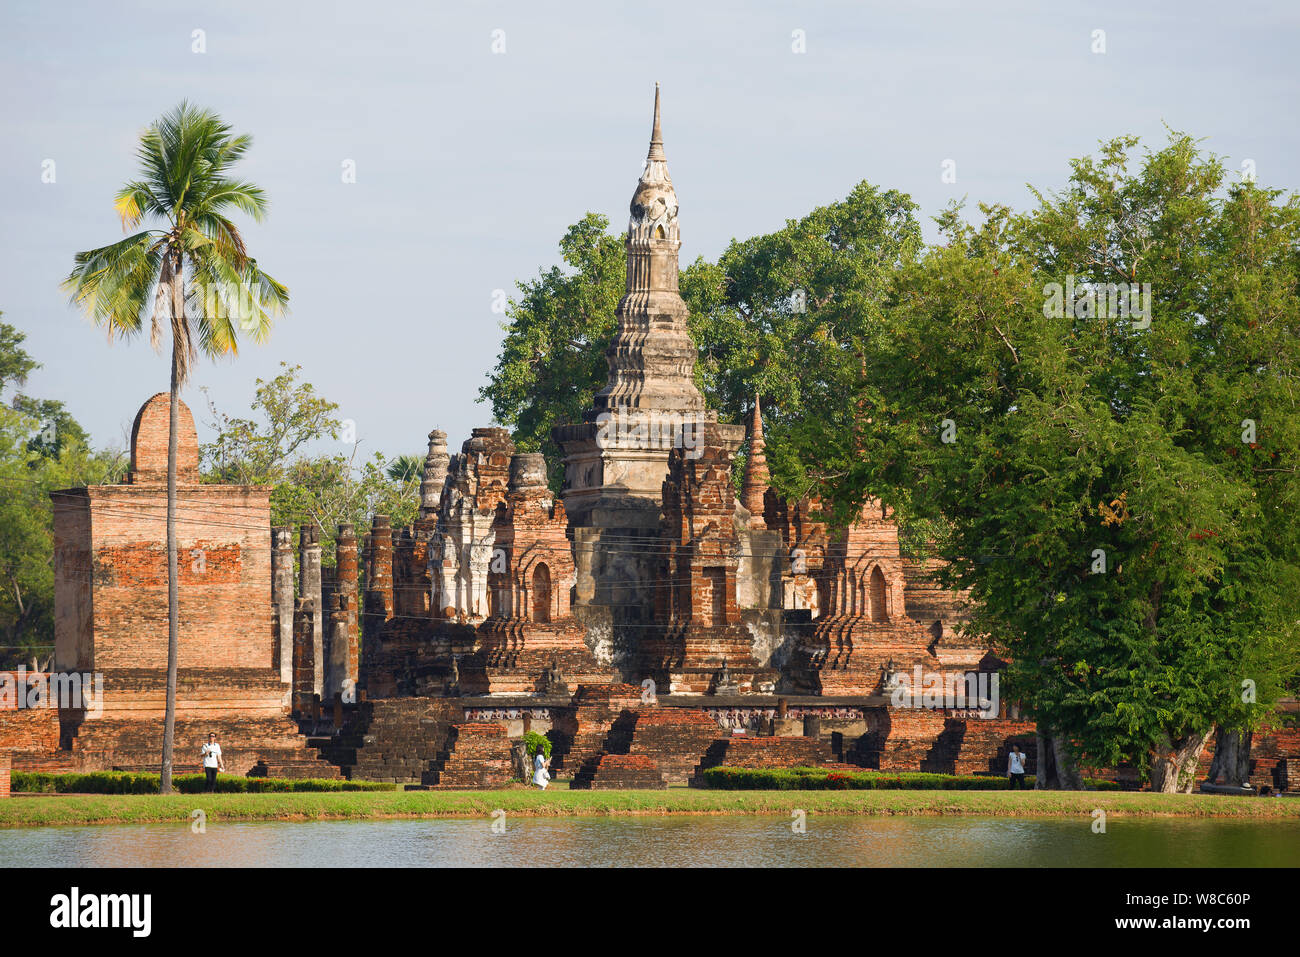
<point>281,444</point>
<point>552,360</point>
<point>292,416</point>
<point>1114,489</point>
<point>56,428</point>
<point>778,316</point>
<point>788,315</point>
<point>15,364</point>
<point>37,456</point>
<point>191,274</point>
<point>330,489</point>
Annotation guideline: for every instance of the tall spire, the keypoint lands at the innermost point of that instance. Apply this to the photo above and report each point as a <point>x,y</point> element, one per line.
<point>654,204</point>
<point>651,357</point>
<point>657,134</point>
<point>756,474</point>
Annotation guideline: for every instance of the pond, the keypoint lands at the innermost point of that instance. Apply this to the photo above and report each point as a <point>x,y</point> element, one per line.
<point>681,841</point>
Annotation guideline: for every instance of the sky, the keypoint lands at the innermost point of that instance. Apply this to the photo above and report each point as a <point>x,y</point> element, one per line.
<point>479,131</point>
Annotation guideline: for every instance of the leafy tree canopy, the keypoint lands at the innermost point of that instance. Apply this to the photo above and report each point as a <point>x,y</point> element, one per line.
<point>295,442</point>
<point>1116,490</point>
<point>42,450</point>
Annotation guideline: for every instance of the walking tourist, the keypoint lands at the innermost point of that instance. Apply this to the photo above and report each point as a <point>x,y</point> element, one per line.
<point>540,773</point>
<point>212,761</point>
<point>1016,767</point>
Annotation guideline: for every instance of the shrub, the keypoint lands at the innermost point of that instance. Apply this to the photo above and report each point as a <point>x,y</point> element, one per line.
<point>817,779</point>
<point>533,741</point>
<point>132,782</point>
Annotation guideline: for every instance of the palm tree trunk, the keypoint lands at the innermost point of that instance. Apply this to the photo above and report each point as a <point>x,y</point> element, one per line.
<point>173,592</point>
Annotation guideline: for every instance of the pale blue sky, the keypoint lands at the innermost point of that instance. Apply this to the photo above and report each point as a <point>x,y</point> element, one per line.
<point>471,164</point>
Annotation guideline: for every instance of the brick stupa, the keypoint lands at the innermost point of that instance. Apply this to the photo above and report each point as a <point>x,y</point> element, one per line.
<point>111,594</point>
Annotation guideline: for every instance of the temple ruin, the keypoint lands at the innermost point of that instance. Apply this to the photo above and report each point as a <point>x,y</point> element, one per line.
<point>649,620</point>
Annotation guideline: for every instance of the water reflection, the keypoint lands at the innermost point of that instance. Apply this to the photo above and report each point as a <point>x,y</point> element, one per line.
<point>722,841</point>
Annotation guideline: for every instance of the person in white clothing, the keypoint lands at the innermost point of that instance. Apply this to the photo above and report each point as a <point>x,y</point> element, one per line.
<point>540,773</point>
<point>1016,768</point>
<point>212,761</point>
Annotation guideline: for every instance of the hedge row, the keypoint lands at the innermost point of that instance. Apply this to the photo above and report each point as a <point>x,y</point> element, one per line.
<point>130,782</point>
<point>822,779</point>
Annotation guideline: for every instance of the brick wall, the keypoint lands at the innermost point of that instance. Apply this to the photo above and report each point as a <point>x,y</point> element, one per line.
<point>224,564</point>
<point>26,730</point>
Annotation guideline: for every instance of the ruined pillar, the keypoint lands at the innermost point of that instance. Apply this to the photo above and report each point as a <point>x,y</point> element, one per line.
<point>410,574</point>
<point>379,586</point>
<point>343,637</point>
<point>282,600</point>
<point>309,586</point>
<point>435,476</point>
<point>336,633</point>
<point>304,664</point>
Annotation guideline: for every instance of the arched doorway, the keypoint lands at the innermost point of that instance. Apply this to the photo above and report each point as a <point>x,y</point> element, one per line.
<point>876,588</point>
<point>542,594</point>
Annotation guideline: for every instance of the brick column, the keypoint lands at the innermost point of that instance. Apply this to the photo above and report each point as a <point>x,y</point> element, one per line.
<point>5,765</point>
<point>282,599</point>
<point>343,636</point>
<point>304,665</point>
<point>379,586</point>
<point>336,633</point>
<point>309,587</point>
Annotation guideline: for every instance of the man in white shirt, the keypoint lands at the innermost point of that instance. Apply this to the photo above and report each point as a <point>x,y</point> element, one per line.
<point>1016,767</point>
<point>212,761</point>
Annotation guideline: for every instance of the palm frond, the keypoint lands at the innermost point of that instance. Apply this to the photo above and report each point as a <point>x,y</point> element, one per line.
<point>136,200</point>
<point>226,236</point>
<point>222,194</point>
<point>185,157</point>
<point>112,284</point>
<point>226,301</point>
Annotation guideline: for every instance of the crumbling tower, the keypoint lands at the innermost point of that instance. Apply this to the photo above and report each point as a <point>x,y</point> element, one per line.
<point>616,460</point>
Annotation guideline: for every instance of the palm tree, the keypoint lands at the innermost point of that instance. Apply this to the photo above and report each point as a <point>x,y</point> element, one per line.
<point>192,271</point>
<point>406,469</point>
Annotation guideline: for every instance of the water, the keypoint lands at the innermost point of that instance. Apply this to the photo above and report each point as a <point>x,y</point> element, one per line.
<point>721,841</point>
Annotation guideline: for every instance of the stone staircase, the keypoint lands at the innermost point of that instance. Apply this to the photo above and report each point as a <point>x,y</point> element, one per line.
<point>649,747</point>
<point>915,739</point>
<point>394,740</point>
<point>675,739</point>
<point>609,771</point>
<point>980,746</point>
<point>581,735</point>
<point>477,756</point>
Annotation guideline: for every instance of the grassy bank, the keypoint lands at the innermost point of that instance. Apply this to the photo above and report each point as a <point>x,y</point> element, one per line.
<point>148,808</point>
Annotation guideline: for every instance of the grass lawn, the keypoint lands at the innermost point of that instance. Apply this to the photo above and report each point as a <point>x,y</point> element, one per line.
<point>140,809</point>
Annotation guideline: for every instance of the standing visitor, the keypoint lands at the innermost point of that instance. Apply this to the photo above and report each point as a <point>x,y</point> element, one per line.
<point>1016,768</point>
<point>212,761</point>
<point>540,774</point>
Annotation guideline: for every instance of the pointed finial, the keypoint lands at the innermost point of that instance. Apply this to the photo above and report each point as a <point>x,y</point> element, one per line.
<point>656,135</point>
<point>756,473</point>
